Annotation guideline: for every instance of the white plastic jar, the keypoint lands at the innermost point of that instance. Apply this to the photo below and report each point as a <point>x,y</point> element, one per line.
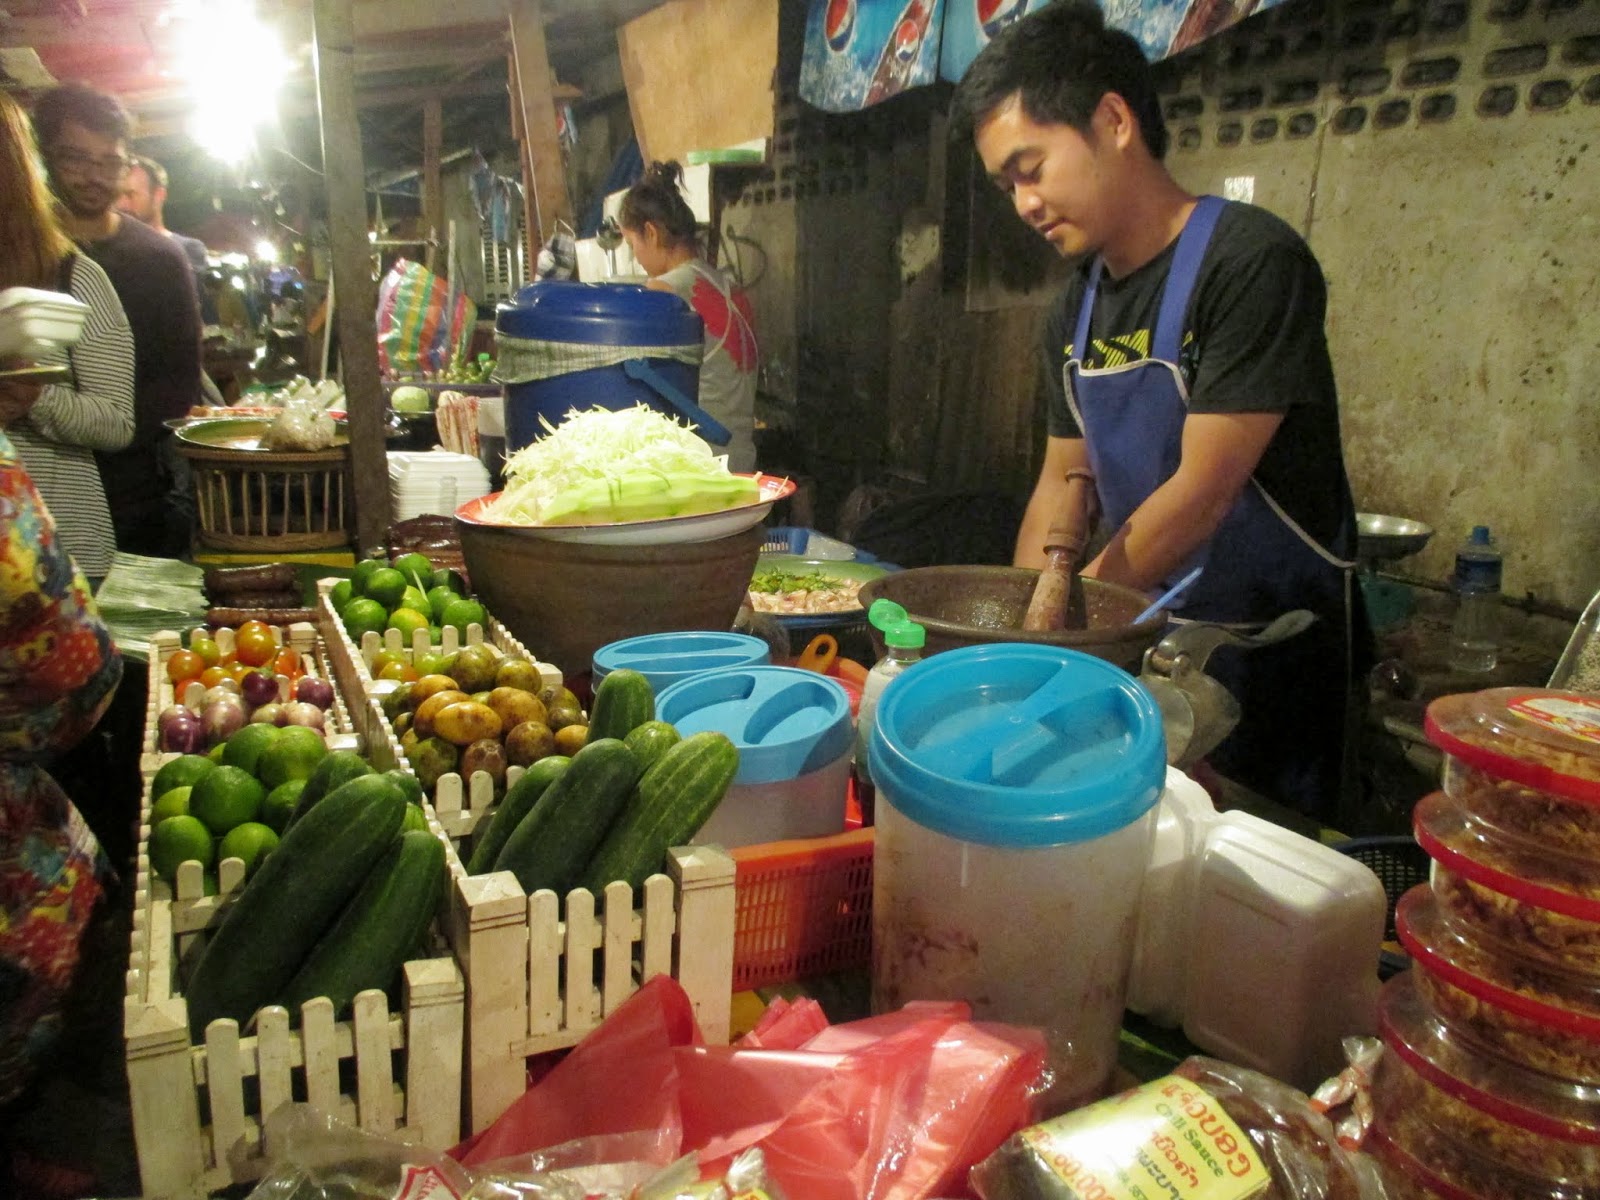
<point>1017,787</point>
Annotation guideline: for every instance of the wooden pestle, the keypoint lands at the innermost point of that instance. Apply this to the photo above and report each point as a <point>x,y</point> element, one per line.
<point>1057,601</point>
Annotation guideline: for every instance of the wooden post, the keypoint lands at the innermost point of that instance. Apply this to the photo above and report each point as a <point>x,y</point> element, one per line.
<point>546,184</point>
<point>433,990</point>
<point>333,55</point>
<point>432,184</point>
<point>489,933</point>
<point>705,960</point>
<point>164,1104</point>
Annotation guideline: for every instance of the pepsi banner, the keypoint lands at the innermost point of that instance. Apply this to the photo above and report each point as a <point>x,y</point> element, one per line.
<point>858,52</point>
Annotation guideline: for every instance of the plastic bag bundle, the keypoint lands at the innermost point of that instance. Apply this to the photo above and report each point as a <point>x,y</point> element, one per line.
<point>894,1107</point>
<point>423,324</point>
<point>303,426</point>
<point>1208,1129</point>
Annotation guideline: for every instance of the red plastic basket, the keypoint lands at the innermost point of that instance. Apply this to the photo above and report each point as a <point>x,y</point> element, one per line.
<point>802,908</point>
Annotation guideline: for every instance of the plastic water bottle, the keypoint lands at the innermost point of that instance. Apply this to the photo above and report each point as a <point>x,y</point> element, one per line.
<point>1475,633</point>
<point>903,640</point>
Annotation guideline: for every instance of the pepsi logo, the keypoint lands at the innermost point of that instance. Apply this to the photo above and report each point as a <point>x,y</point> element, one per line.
<point>907,39</point>
<point>839,23</point>
<point>995,15</point>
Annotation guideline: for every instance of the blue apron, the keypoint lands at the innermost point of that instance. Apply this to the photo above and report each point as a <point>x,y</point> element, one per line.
<point>1290,741</point>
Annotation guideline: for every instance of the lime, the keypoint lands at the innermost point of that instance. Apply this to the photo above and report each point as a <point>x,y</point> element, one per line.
<point>444,577</point>
<point>386,586</point>
<point>416,599</point>
<point>279,804</point>
<point>361,615</point>
<point>433,662</point>
<point>174,803</point>
<point>396,702</point>
<point>417,568</point>
<point>214,755</point>
<point>180,772</point>
<point>294,755</point>
<point>225,798</point>
<point>251,842</point>
<point>461,613</point>
<point>178,840</point>
<point>341,594</point>
<point>243,748</point>
<point>408,620</point>
<point>364,571</point>
<point>439,599</point>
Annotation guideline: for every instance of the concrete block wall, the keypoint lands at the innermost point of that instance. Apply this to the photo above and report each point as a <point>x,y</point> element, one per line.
<point>1443,159</point>
<point>1441,156</point>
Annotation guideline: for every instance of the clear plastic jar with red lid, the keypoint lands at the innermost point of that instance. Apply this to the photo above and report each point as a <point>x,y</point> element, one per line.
<point>1533,901</point>
<point>1532,1014</point>
<point>1526,760</point>
<point>1473,1117</point>
<point>1408,1178</point>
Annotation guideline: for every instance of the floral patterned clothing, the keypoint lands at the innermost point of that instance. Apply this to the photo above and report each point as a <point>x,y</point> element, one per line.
<point>58,671</point>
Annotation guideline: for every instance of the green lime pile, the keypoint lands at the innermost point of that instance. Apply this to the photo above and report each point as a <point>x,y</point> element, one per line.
<point>407,594</point>
<point>237,804</point>
<point>469,370</point>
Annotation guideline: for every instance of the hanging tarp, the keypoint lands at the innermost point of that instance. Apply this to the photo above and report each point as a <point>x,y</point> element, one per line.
<point>849,42</point>
<point>859,52</point>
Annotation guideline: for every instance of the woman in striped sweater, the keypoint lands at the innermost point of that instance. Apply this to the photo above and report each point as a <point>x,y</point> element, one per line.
<point>57,428</point>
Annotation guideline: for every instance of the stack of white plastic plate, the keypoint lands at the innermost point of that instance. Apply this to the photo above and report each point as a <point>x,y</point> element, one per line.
<point>34,322</point>
<point>433,481</point>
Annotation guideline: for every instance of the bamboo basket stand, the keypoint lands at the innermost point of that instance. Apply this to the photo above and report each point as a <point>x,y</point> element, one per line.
<point>280,501</point>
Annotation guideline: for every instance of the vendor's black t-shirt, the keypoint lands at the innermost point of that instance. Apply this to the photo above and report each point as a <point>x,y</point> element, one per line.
<point>1253,341</point>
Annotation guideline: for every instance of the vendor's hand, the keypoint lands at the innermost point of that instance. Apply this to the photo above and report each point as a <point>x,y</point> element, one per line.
<point>16,398</point>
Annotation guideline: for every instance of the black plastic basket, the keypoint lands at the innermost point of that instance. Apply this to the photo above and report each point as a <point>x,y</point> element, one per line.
<point>1400,864</point>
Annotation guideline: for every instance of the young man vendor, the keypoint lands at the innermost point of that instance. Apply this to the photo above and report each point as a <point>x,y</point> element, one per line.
<point>1189,373</point>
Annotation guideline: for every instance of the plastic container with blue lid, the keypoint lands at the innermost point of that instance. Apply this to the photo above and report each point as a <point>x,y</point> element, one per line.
<point>1017,787</point>
<point>794,734</point>
<point>666,658</point>
<point>563,345</point>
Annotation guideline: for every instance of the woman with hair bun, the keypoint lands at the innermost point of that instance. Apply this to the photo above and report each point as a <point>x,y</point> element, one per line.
<point>661,231</point>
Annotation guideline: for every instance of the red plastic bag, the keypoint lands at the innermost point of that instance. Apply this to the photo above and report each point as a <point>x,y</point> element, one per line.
<point>895,1107</point>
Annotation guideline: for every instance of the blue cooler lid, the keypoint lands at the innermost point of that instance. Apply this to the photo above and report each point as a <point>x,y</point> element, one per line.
<point>665,658</point>
<point>1018,745</point>
<point>786,721</point>
<point>607,314</point>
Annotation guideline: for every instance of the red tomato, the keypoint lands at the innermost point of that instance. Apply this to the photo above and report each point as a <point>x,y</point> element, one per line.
<point>287,662</point>
<point>255,646</point>
<point>185,665</point>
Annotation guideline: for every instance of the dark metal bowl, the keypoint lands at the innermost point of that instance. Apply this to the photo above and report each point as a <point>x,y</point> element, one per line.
<point>968,605</point>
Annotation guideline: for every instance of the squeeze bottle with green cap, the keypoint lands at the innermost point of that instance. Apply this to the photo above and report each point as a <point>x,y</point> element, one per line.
<point>903,639</point>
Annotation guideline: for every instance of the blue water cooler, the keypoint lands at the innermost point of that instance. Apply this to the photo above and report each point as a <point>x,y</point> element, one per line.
<point>563,345</point>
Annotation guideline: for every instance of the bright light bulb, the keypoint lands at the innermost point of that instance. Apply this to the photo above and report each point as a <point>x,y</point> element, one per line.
<point>266,251</point>
<point>231,103</point>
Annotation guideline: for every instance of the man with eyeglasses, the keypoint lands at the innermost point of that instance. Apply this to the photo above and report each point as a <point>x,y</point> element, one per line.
<point>83,133</point>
